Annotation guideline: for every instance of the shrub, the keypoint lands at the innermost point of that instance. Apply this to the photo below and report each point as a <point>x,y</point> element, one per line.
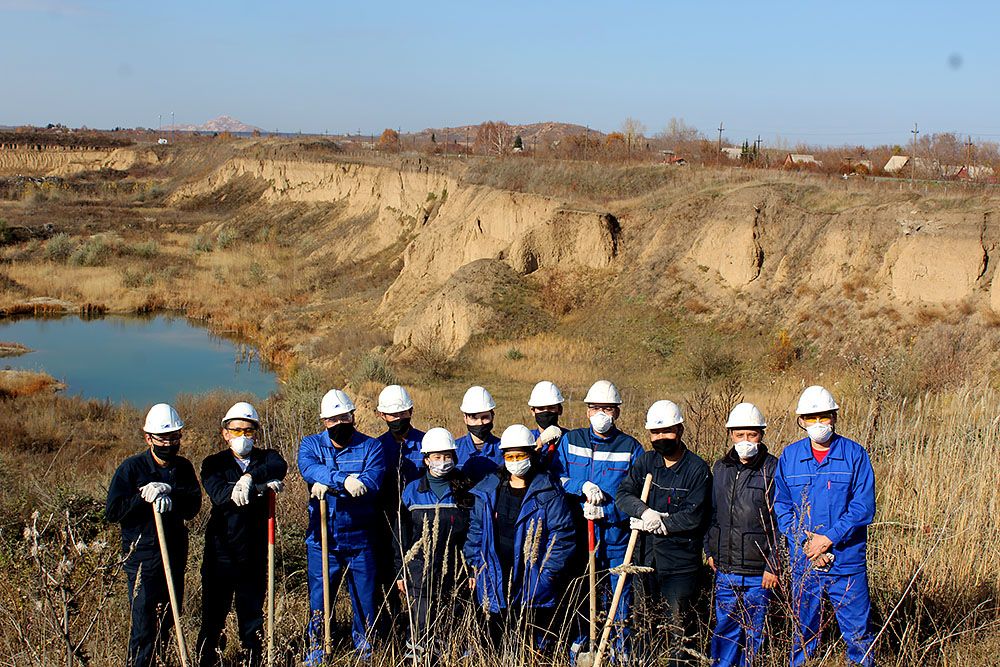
<point>59,247</point>
<point>201,243</point>
<point>374,367</point>
<point>514,354</point>
<point>225,239</point>
<point>131,278</point>
<point>93,252</point>
<point>146,249</point>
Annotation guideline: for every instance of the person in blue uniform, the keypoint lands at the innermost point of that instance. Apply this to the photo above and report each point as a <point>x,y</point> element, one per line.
<point>238,481</point>
<point>546,405</point>
<point>520,540</point>
<point>346,467</point>
<point>478,450</point>
<point>434,512</point>
<point>825,501</point>
<point>591,462</point>
<point>157,480</point>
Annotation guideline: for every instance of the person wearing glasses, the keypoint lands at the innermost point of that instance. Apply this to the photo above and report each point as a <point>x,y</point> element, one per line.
<point>824,501</point>
<point>346,467</point>
<point>157,480</point>
<point>519,542</point>
<point>238,481</point>
<point>591,463</point>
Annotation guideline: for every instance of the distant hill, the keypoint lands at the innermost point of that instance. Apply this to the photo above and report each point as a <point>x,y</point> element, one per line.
<point>220,124</point>
<point>542,133</point>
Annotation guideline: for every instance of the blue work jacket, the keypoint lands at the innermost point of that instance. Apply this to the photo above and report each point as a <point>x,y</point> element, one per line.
<point>835,498</point>
<point>475,463</point>
<point>544,524</point>
<point>584,456</point>
<point>350,520</point>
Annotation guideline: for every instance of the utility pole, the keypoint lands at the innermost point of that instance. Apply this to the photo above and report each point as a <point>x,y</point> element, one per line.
<point>968,152</point>
<point>913,156</point>
<point>173,127</point>
<point>756,150</point>
<point>718,156</point>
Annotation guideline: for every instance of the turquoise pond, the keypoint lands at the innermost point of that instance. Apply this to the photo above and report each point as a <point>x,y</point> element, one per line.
<point>141,360</point>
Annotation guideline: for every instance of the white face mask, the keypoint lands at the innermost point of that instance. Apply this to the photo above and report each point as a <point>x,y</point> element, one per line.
<point>601,422</point>
<point>518,468</point>
<point>746,449</point>
<point>241,445</point>
<point>820,433</point>
<point>441,469</point>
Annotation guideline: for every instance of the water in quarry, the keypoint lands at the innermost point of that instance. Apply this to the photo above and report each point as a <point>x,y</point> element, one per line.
<point>141,360</point>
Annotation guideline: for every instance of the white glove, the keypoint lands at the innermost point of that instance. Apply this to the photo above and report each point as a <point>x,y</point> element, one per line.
<point>318,490</point>
<point>241,491</point>
<point>163,504</point>
<point>592,512</point>
<point>355,486</point>
<point>634,524</point>
<point>594,493</point>
<point>276,485</point>
<point>550,434</point>
<point>153,490</point>
<point>652,522</point>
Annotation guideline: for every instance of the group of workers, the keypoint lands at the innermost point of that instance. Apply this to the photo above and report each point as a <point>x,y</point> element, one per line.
<point>423,523</point>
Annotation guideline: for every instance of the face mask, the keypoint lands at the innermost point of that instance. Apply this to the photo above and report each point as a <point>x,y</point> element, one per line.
<point>341,433</point>
<point>666,447</point>
<point>546,419</point>
<point>241,445</point>
<point>400,426</point>
<point>441,469</point>
<point>482,431</point>
<point>166,453</point>
<point>518,468</point>
<point>746,449</point>
<point>601,422</point>
<point>820,433</point>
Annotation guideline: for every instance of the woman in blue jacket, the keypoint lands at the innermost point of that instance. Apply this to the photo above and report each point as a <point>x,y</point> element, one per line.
<point>520,539</point>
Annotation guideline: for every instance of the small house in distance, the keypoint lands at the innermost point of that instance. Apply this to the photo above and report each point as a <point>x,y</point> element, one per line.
<point>732,152</point>
<point>800,160</point>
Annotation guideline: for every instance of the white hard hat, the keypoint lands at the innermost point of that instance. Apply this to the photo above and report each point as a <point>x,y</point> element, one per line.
<point>335,402</point>
<point>393,399</point>
<point>517,436</point>
<point>162,418</point>
<point>816,399</point>
<point>746,415</point>
<point>477,399</point>
<point>437,439</point>
<point>545,393</point>
<point>663,414</point>
<point>243,411</point>
<point>604,393</point>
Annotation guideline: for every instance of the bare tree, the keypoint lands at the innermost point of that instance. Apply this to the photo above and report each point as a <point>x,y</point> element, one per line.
<point>633,131</point>
<point>495,138</point>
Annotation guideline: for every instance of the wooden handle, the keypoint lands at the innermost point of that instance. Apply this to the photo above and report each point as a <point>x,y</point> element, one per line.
<point>171,591</point>
<point>620,586</point>
<point>325,555</point>
<point>592,544</point>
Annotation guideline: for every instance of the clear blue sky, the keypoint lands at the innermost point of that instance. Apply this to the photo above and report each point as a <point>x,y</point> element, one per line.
<point>858,72</point>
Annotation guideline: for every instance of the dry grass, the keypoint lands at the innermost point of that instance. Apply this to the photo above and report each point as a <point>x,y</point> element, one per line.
<point>15,384</point>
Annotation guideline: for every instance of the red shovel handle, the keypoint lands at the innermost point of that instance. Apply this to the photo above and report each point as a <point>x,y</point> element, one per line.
<point>591,537</point>
<point>270,517</point>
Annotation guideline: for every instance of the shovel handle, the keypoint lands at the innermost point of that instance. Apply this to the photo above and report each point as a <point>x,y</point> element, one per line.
<point>620,586</point>
<point>325,558</point>
<point>171,591</point>
<point>271,497</point>
<point>592,546</point>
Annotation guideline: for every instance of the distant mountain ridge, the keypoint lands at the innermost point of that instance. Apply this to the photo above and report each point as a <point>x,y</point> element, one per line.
<point>220,124</point>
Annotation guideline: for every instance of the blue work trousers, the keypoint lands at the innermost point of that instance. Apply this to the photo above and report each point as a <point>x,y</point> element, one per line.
<point>357,566</point>
<point>740,611</point>
<point>848,593</point>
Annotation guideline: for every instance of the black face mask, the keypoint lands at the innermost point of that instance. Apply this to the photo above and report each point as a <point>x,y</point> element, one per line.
<point>546,419</point>
<point>482,431</point>
<point>666,447</point>
<point>166,453</point>
<point>400,426</point>
<point>341,433</point>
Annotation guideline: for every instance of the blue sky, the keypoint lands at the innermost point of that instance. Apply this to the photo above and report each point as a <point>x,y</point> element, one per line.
<point>856,72</point>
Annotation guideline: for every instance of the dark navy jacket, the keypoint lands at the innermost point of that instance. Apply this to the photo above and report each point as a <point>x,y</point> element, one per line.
<point>835,498</point>
<point>351,520</point>
<point>477,464</point>
<point>584,456</point>
<point>236,534</point>
<point>743,530</point>
<point>543,544</point>
<point>682,490</point>
<point>444,522</point>
<point>126,506</point>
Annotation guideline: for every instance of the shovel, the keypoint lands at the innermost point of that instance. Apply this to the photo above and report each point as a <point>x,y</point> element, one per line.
<point>326,575</point>
<point>171,591</point>
<point>270,578</point>
<point>620,587</point>
<point>586,659</point>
